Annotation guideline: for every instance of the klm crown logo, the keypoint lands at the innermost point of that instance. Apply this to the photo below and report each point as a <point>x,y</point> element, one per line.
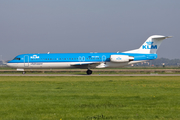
<point>149,45</point>
<point>118,58</point>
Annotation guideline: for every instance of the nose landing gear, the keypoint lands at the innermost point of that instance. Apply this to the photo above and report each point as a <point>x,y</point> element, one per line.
<point>23,72</point>
<point>89,72</point>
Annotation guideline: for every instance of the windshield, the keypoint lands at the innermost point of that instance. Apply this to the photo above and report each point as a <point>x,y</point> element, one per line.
<point>16,59</point>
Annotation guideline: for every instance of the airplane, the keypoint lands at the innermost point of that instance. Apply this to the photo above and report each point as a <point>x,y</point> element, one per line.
<point>146,52</point>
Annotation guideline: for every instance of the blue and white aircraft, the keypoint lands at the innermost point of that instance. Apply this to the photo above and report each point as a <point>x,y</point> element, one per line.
<point>88,60</point>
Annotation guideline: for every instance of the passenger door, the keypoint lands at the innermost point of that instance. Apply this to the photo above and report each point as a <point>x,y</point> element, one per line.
<point>26,61</point>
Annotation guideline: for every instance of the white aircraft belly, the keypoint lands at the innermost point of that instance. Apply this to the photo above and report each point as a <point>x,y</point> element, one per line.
<point>50,65</point>
<point>61,64</point>
<point>41,65</point>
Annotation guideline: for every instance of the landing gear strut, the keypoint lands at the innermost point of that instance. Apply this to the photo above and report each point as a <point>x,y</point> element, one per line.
<point>89,72</point>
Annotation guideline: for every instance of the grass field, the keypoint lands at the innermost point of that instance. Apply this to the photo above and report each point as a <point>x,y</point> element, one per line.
<point>89,98</point>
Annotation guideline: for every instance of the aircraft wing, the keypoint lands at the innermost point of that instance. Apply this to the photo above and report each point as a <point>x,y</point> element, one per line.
<point>87,65</point>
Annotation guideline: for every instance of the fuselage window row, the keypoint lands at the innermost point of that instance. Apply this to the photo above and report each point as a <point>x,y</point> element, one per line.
<point>63,59</point>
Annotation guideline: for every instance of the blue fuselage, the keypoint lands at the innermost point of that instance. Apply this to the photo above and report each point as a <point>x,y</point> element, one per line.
<point>63,60</point>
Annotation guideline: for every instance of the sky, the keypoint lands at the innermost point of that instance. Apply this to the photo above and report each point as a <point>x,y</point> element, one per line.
<point>73,26</point>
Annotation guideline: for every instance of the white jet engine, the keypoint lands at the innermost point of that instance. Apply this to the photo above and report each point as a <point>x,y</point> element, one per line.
<point>121,58</point>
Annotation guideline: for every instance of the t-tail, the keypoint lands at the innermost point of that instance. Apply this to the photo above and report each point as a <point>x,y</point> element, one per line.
<point>151,45</point>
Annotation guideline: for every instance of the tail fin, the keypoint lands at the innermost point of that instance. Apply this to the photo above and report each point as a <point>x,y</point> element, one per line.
<point>151,45</point>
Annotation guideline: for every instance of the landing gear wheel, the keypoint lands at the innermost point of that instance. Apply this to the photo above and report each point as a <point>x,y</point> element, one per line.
<point>23,72</point>
<point>89,72</point>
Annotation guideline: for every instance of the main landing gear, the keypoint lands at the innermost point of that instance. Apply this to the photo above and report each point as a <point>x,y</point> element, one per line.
<point>89,72</point>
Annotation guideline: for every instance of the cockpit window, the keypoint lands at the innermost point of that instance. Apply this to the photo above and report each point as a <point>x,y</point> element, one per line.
<point>16,59</point>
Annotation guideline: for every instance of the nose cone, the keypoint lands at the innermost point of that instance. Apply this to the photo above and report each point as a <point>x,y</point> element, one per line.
<point>8,64</point>
<point>11,64</point>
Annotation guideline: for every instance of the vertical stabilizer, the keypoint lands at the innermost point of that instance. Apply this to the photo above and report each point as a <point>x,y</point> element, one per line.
<point>151,45</point>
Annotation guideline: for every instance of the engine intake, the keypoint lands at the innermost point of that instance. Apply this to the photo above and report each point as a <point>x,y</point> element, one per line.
<point>121,58</point>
